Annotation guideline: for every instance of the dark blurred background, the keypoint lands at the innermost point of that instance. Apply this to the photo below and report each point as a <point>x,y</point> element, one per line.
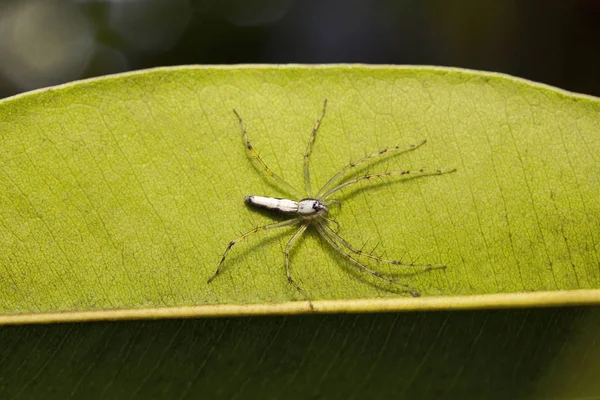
<point>47,42</point>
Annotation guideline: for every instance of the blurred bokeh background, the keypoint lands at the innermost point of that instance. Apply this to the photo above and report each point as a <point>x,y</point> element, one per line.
<point>47,42</point>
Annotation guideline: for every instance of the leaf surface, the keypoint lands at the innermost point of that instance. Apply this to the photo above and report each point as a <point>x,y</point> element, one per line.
<point>123,192</point>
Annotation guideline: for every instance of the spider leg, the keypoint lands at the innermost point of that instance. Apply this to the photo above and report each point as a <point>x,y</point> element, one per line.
<point>288,247</point>
<point>332,221</point>
<point>405,173</point>
<point>309,145</point>
<point>254,155</point>
<point>282,224</point>
<point>324,233</point>
<point>379,153</point>
<point>360,252</point>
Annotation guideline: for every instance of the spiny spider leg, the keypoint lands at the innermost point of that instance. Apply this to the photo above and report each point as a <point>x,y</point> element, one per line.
<point>282,224</point>
<point>288,248</point>
<point>309,145</point>
<point>407,173</point>
<point>367,158</point>
<point>361,266</point>
<point>254,154</point>
<point>347,245</point>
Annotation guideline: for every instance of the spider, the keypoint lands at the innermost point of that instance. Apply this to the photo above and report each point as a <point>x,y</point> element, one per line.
<point>313,210</point>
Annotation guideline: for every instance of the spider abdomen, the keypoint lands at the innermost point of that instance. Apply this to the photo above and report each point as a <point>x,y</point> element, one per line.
<point>284,206</point>
<point>304,208</point>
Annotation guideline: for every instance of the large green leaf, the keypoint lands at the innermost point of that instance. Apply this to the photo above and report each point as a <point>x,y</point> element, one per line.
<point>123,192</point>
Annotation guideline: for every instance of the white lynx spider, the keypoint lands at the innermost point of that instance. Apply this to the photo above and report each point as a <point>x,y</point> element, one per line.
<point>313,210</point>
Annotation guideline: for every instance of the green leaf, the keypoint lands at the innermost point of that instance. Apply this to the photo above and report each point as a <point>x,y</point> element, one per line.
<point>123,192</point>
<point>546,353</point>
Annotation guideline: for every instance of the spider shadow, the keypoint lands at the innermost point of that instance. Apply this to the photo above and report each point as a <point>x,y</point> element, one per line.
<point>352,193</point>
<point>274,185</point>
<point>375,282</point>
<point>273,215</point>
<point>260,242</point>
